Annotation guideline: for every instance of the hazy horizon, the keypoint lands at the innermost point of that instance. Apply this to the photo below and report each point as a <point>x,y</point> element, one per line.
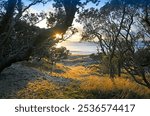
<point>77,47</point>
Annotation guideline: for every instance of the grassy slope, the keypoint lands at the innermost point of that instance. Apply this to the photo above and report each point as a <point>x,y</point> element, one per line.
<point>84,84</point>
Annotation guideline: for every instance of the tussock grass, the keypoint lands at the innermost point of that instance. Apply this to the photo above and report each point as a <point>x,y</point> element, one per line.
<point>40,89</point>
<point>44,89</point>
<point>84,85</point>
<point>104,87</point>
<point>94,86</point>
<point>73,72</point>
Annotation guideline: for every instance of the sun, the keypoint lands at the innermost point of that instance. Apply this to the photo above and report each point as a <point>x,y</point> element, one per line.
<point>58,35</point>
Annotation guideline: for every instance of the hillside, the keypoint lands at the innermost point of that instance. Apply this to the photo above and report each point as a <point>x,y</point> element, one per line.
<point>71,78</point>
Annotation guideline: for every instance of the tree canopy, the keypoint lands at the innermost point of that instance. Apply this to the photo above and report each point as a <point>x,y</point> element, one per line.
<point>119,27</point>
<point>18,33</point>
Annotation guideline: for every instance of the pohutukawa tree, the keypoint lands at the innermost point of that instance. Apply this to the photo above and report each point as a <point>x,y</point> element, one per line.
<point>119,27</point>
<point>18,34</point>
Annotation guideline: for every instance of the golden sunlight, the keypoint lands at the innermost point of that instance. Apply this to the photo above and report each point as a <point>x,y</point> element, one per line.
<point>58,35</point>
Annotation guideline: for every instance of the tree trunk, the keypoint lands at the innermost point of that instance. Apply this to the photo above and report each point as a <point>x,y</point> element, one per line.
<point>6,27</point>
<point>7,18</point>
<point>144,78</point>
<point>119,68</point>
<point>4,63</point>
<point>145,82</point>
<point>111,68</point>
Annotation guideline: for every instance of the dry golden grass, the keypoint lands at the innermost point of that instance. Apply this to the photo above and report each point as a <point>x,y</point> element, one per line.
<point>104,87</point>
<point>96,83</point>
<point>73,72</point>
<point>40,89</point>
<point>84,85</point>
<point>44,89</point>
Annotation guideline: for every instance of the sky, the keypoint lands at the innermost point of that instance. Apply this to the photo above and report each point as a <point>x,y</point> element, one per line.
<point>48,7</point>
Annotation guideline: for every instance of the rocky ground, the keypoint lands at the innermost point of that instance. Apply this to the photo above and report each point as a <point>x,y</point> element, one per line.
<point>17,76</point>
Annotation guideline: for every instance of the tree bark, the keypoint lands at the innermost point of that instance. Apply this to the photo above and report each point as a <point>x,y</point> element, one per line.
<point>142,71</point>
<point>111,67</point>
<point>70,10</point>
<point>7,18</point>
<point>119,68</point>
<point>15,58</point>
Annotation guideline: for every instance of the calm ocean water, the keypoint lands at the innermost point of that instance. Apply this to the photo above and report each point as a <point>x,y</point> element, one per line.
<point>82,48</point>
<point>86,48</point>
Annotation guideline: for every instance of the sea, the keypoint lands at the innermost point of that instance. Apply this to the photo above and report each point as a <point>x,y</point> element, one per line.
<point>86,48</point>
<point>79,48</point>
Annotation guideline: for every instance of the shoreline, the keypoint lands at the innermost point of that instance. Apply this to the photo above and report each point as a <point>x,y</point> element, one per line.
<point>77,59</point>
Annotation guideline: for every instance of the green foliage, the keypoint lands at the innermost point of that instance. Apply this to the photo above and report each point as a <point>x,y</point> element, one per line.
<point>56,54</point>
<point>56,17</point>
<point>103,66</point>
<point>96,57</point>
<point>47,58</point>
<point>19,34</point>
<point>142,57</point>
<point>113,28</point>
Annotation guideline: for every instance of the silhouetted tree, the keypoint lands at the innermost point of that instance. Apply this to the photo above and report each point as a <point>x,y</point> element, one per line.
<point>115,28</point>
<point>18,34</point>
<point>103,27</point>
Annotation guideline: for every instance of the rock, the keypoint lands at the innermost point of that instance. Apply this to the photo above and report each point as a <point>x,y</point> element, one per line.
<point>17,76</point>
